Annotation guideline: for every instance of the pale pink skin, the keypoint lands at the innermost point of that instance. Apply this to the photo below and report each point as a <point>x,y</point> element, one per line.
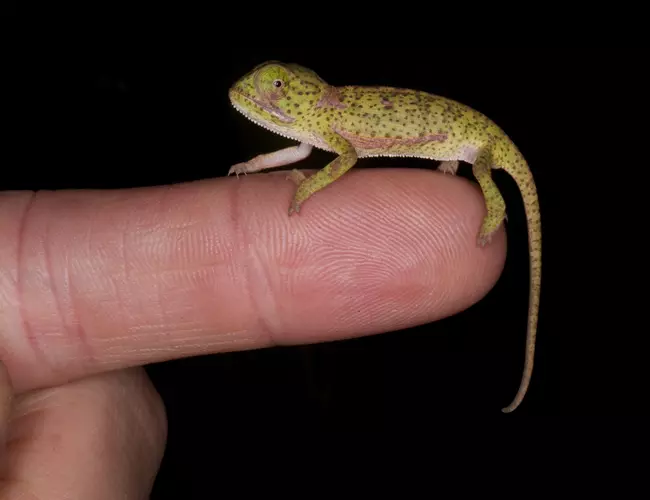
<point>99,438</point>
<point>92,281</point>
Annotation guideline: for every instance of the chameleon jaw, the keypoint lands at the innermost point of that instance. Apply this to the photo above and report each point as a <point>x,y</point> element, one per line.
<point>276,129</point>
<point>235,95</point>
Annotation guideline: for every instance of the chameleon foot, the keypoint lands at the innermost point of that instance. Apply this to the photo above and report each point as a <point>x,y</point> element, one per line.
<point>449,167</point>
<point>294,208</point>
<point>296,176</point>
<point>484,239</point>
<point>239,168</point>
<point>488,228</point>
<point>494,202</point>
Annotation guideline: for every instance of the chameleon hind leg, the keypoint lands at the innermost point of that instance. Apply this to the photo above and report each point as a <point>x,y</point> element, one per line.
<point>494,202</point>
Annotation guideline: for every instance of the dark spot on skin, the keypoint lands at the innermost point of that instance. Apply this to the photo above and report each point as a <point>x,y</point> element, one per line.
<point>288,98</point>
<point>295,105</point>
<point>300,92</point>
<point>311,102</point>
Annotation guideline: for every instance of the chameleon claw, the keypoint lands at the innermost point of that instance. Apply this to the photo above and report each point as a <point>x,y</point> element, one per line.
<point>240,168</point>
<point>294,208</point>
<point>485,237</point>
<point>484,240</point>
<point>449,167</point>
<point>296,176</point>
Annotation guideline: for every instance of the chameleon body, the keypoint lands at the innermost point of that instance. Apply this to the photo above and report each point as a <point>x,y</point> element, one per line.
<point>363,121</point>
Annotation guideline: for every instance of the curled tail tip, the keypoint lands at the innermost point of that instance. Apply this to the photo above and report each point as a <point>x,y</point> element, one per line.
<point>517,401</point>
<point>509,409</point>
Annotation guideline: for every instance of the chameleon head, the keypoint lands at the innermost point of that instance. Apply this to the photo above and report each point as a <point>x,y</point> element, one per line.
<point>277,95</point>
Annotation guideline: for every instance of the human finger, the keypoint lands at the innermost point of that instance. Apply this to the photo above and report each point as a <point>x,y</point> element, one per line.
<point>99,280</point>
<point>102,437</point>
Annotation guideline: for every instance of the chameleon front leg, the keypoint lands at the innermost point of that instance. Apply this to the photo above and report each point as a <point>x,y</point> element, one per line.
<point>494,202</point>
<point>279,158</point>
<point>325,176</point>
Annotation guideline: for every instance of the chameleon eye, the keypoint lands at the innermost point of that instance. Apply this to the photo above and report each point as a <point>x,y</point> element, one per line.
<point>277,83</point>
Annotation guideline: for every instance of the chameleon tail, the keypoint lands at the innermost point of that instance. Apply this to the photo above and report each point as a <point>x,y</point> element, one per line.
<point>524,179</point>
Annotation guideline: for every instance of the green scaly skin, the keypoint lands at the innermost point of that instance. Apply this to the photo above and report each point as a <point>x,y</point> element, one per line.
<point>355,122</point>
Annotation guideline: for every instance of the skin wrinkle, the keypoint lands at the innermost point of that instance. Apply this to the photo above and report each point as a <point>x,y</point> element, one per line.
<point>202,346</point>
<point>263,293</point>
<point>76,329</point>
<point>124,273</point>
<point>115,278</point>
<point>58,298</point>
<point>28,332</point>
<point>74,311</point>
<point>159,303</point>
<point>162,209</point>
<point>114,342</point>
<point>243,245</point>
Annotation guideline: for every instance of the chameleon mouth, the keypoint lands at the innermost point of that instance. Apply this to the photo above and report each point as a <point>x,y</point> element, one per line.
<point>236,96</point>
<point>277,129</point>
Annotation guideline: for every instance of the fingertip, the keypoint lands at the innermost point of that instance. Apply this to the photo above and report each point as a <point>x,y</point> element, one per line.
<point>379,250</point>
<point>147,275</point>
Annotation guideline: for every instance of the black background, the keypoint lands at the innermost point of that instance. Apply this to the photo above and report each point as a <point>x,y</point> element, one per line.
<point>115,114</point>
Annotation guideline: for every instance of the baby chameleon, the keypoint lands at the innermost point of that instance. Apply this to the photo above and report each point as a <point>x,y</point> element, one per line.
<point>356,122</point>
